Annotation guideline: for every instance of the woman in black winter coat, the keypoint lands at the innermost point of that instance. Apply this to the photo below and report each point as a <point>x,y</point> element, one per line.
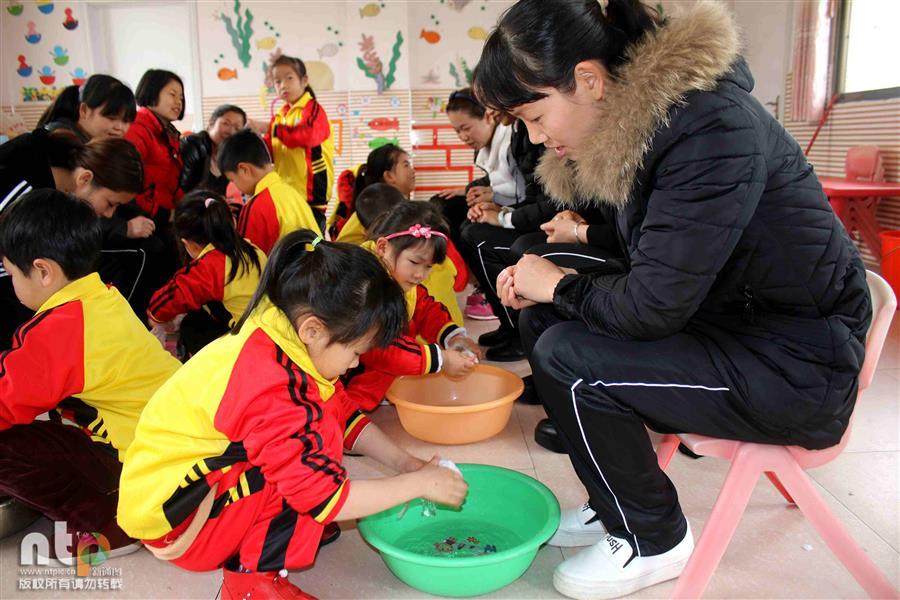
<point>198,150</point>
<point>742,308</point>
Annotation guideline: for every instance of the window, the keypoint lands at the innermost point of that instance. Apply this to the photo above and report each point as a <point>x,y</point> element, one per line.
<point>868,49</point>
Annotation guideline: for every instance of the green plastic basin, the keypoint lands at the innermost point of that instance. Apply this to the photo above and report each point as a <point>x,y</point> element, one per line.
<point>506,515</point>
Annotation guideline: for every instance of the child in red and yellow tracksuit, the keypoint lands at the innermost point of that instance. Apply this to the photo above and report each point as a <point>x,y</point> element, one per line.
<point>215,287</point>
<point>409,239</point>
<point>237,460</point>
<point>84,357</point>
<point>276,208</point>
<point>299,136</point>
<point>379,198</point>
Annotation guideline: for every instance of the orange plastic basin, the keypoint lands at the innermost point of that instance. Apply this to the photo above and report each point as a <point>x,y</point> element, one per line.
<point>441,410</point>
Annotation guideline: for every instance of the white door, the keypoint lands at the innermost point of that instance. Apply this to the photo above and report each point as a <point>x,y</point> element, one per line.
<point>127,38</point>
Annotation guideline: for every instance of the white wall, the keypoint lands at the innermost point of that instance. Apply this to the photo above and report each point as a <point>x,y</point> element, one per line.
<point>766,28</point>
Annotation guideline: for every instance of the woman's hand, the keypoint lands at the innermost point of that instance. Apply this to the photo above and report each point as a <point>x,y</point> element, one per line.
<point>140,227</point>
<point>486,212</point>
<point>506,290</point>
<point>441,485</point>
<point>479,194</point>
<point>451,193</point>
<point>564,228</point>
<point>456,364</point>
<point>534,278</point>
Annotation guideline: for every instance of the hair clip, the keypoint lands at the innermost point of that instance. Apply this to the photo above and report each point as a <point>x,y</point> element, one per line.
<point>603,4</point>
<point>316,241</point>
<point>209,202</point>
<point>417,231</point>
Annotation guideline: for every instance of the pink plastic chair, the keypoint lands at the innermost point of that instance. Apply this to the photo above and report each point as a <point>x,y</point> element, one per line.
<point>784,465</point>
<point>863,163</point>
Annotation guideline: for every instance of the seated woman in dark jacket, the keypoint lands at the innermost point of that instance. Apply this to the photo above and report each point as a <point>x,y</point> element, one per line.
<point>198,150</point>
<point>742,309</point>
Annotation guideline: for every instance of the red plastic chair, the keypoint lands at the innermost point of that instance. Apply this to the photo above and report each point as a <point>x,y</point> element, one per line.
<point>784,465</point>
<point>863,163</point>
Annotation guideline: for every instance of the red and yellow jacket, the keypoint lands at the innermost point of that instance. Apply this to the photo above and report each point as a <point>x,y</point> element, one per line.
<point>275,211</point>
<point>202,282</point>
<point>263,409</point>
<point>302,147</point>
<point>429,320</point>
<point>86,355</point>
<point>160,152</point>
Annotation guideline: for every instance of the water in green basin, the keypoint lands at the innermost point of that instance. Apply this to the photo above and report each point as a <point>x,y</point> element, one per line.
<point>458,538</point>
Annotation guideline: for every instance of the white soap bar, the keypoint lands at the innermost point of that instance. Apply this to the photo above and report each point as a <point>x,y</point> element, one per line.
<point>449,464</point>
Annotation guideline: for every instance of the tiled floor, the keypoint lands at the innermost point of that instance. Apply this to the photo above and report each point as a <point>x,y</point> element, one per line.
<point>775,552</point>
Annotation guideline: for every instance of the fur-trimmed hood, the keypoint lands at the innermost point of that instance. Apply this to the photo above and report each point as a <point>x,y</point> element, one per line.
<point>690,53</point>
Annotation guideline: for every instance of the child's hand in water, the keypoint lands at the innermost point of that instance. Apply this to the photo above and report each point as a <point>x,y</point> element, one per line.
<point>464,343</point>
<point>458,364</point>
<point>442,485</point>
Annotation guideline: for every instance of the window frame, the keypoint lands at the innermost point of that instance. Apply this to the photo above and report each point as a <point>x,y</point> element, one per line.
<point>841,46</point>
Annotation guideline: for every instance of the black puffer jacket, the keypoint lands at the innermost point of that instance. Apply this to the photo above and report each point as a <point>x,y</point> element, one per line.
<point>726,230</point>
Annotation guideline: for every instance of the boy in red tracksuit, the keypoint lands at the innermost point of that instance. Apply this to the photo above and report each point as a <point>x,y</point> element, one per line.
<point>276,208</point>
<point>84,357</point>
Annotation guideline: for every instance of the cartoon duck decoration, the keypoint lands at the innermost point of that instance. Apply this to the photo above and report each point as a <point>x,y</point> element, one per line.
<point>15,8</point>
<point>79,76</point>
<point>71,22</point>
<point>47,75</point>
<point>32,37</point>
<point>60,55</point>
<point>225,74</point>
<point>45,7</point>
<point>432,37</point>
<point>24,68</point>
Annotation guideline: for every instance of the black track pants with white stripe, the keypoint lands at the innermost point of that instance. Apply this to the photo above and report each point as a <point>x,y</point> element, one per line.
<point>601,393</point>
<point>486,249</point>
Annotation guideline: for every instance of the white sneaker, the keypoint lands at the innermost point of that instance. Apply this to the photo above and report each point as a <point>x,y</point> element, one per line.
<point>604,570</point>
<point>574,529</point>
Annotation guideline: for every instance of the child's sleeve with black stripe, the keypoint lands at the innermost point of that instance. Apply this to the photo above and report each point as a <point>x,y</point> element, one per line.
<point>259,222</point>
<point>404,356</point>
<point>200,282</point>
<point>279,427</point>
<point>306,134</point>
<point>432,319</point>
<point>44,366</point>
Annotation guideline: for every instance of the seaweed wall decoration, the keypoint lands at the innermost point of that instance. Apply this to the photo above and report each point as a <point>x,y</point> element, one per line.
<point>240,31</point>
<point>373,67</point>
<point>463,75</point>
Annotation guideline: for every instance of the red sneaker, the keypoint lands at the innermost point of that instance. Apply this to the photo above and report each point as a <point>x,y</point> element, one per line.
<point>480,312</point>
<point>260,586</point>
<point>96,547</point>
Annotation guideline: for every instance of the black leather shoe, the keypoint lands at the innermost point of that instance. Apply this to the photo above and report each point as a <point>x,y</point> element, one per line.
<point>331,533</point>
<point>546,436</point>
<point>688,452</point>
<point>496,337</point>
<point>529,394</point>
<point>509,351</point>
